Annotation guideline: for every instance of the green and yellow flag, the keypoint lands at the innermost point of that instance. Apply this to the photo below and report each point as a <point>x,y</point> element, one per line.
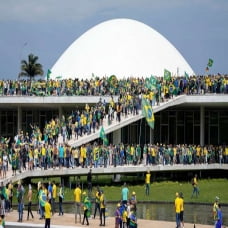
<point>186,75</point>
<point>112,80</point>
<point>103,136</point>
<point>48,74</point>
<point>167,75</point>
<point>150,83</point>
<point>210,62</point>
<point>153,80</point>
<point>147,111</point>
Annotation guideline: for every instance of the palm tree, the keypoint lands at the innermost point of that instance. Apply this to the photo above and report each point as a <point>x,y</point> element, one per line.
<point>31,68</point>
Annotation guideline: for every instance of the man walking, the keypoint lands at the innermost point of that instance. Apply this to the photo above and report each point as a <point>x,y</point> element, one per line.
<point>97,202</point>
<point>177,207</point>
<point>102,208</point>
<point>77,202</point>
<point>125,193</point>
<point>20,197</point>
<point>195,186</point>
<point>147,180</point>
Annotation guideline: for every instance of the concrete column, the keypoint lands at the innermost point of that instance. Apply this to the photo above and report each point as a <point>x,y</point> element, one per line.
<point>19,118</point>
<point>116,138</point>
<point>202,125</point>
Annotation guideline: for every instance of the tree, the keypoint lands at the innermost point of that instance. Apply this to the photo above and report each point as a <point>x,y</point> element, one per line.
<point>31,68</point>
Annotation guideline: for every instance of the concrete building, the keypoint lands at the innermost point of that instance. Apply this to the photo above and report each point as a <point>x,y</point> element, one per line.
<point>196,119</point>
<point>123,47</point>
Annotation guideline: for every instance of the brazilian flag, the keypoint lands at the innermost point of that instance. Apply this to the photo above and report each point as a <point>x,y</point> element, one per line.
<point>103,136</point>
<point>147,111</point>
<point>167,75</point>
<point>210,62</point>
<point>150,83</point>
<point>153,80</point>
<point>112,80</point>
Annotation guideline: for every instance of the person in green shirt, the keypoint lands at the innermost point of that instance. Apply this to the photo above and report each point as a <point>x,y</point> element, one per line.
<point>86,208</point>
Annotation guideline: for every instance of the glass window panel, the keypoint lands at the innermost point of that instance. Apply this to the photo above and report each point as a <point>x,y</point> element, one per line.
<point>164,134</point>
<point>133,134</point>
<point>180,135</point>
<point>172,130</point>
<point>214,135</point>
<point>189,133</point>
<point>157,129</point>
<point>213,117</point>
<point>164,117</point>
<point>196,117</point>
<point>223,126</point>
<point>180,117</point>
<point>196,135</point>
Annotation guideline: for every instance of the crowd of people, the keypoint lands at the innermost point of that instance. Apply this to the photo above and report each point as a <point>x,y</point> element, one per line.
<point>42,149</point>
<point>25,156</point>
<point>87,203</point>
<point>100,86</point>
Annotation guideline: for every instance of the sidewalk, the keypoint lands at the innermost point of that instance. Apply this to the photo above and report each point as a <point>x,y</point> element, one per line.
<point>67,221</point>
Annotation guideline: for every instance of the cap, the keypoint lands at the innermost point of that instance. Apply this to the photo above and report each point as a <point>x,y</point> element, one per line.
<point>84,193</point>
<point>133,193</point>
<point>216,198</point>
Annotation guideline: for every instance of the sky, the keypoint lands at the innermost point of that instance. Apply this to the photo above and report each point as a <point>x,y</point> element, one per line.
<point>46,28</point>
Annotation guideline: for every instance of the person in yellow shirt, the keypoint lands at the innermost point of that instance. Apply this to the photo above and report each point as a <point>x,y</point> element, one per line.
<point>47,209</point>
<point>195,186</point>
<point>77,202</point>
<point>177,207</point>
<point>215,208</point>
<point>124,217</point>
<point>54,195</point>
<point>182,209</point>
<point>10,188</point>
<point>102,207</point>
<point>147,181</point>
<point>97,202</point>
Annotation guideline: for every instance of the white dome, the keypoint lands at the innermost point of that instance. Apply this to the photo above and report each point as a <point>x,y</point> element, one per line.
<point>122,47</point>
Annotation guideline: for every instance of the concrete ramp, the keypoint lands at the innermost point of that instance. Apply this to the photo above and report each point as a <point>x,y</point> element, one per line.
<point>124,122</point>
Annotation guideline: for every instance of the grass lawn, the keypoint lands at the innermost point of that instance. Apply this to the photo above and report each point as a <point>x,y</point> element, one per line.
<point>163,191</point>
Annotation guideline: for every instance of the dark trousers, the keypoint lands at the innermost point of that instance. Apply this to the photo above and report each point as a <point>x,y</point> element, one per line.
<point>85,217</point>
<point>97,207</point>
<point>29,210</point>
<point>47,223</point>
<point>60,206</point>
<point>102,214</point>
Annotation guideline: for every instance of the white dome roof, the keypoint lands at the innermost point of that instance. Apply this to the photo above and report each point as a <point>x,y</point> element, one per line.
<point>122,47</point>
